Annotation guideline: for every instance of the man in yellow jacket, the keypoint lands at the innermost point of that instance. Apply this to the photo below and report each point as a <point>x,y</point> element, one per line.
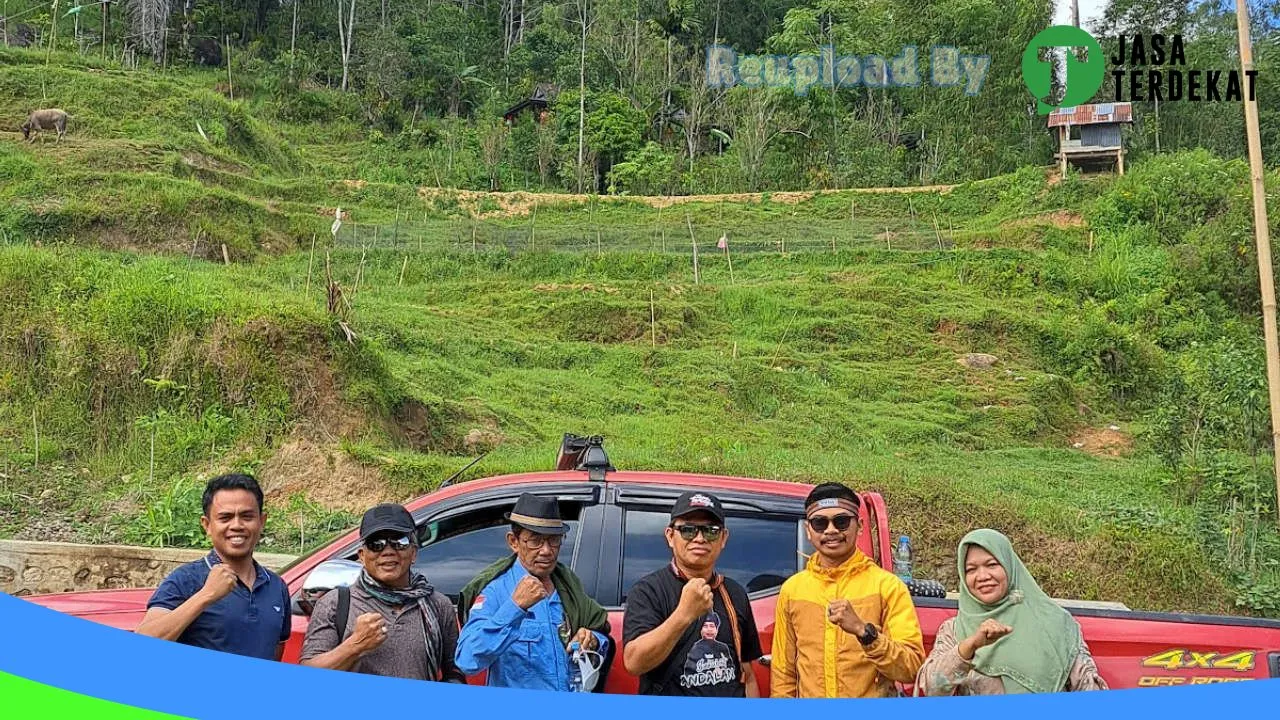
<point>844,628</point>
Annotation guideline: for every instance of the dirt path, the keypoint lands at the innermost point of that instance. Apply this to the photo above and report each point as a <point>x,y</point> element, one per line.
<point>521,202</point>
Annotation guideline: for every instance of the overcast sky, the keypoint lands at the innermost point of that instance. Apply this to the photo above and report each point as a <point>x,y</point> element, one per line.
<point>1090,10</point>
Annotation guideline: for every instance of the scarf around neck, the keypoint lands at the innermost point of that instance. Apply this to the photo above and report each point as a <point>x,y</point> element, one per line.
<point>1038,655</point>
<point>418,592</point>
<point>580,609</point>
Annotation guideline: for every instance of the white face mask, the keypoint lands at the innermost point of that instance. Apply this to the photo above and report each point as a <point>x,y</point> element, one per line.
<point>589,668</point>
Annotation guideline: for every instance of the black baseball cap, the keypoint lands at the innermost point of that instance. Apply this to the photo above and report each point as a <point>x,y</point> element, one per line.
<point>387,517</point>
<point>698,501</point>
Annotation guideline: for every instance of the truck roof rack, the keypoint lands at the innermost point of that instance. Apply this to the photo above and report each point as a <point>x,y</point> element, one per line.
<point>584,453</point>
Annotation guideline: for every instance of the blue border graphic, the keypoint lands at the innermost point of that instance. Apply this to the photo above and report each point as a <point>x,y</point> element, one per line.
<point>97,661</point>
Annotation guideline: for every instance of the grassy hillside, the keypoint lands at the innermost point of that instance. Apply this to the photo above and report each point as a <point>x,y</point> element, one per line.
<point>1120,436</point>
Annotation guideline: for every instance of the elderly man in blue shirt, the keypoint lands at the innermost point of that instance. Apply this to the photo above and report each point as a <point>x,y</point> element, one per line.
<point>522,613</point>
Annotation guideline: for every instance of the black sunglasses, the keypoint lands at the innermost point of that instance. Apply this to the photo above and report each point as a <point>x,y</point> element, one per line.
<point>819,523</point>
<point>689,532</point>
<point>379,544</point>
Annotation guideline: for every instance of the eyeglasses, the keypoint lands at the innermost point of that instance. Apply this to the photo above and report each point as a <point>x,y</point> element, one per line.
<point>379,544</point>
<point>819,523</point>
<point>537,542</point>
<point>689,532</point>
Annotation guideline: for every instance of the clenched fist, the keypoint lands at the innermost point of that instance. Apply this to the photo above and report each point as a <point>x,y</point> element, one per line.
<point>695,600</point>
<point>585,639</point>
<point>988,632</point>
<point>221,581</point>
<point>529,592</point>
<point>841,613</point>
<point>370,632</point>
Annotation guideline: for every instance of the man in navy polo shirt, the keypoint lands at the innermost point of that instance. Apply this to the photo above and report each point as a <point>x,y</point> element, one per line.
<point>225,601</point>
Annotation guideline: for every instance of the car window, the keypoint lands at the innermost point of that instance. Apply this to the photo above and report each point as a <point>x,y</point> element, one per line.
<point>456,548</point>
<point>760,555</point>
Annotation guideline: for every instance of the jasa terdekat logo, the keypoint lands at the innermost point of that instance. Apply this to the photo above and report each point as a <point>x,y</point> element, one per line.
<point>1144,68</point>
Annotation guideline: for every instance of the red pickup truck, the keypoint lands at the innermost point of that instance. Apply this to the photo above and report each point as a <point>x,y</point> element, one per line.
<point>617,519</point>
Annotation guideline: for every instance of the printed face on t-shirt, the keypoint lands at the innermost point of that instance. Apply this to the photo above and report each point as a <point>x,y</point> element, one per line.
<point>709,661</point>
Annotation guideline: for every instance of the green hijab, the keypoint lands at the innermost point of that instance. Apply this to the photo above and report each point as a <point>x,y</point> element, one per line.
<point>1038,655</point>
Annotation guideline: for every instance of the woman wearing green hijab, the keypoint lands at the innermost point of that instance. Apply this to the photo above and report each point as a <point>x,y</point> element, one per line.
<point>1012,637</point>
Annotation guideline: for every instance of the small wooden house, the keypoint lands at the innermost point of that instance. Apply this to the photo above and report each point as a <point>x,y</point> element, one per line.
<point>539,103</point>
<point>1089,136</point>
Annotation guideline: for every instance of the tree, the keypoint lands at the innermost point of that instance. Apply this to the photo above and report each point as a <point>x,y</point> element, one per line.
<point>148,19</point>
<point>755,117</point>
<point>346,36</point>
<point>676,19</point>
<point>584,22</point>
<point>493,148</point>
<point>647,171</point>
<point>613,128</point>
<point>697,105</point>
<point>546,151</point>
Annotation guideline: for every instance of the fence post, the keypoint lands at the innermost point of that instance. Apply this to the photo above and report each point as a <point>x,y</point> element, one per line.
<point>533,226</point>
<point>653,327</point>
<point>694,241</point>
<point>310,262</point>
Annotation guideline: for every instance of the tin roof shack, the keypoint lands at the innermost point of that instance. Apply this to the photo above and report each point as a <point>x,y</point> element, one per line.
<point>539,103</point>
<point>1089,136</point>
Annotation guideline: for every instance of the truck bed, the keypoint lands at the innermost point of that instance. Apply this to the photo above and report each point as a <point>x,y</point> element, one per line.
<point>1135,648</point>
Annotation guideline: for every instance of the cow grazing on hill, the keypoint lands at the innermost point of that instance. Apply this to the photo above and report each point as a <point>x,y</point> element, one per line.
<point>50,119</point>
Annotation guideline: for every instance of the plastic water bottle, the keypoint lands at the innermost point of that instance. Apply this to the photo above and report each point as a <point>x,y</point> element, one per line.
<point>575,672</point>
<point>902,558</point>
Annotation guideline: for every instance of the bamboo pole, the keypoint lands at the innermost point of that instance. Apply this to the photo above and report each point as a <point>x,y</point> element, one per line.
<point>360,270</point>
<point>664,230</point>
<point>403,267</point>
<point>694,241</point>
<point>853,225</point>
<point>35,428</point>
<point>1266,280</point>
<point>53,33</point>
<point>231,88</point>
<point>725,240</point>
<point>311,262</point>
<point>653,322</point>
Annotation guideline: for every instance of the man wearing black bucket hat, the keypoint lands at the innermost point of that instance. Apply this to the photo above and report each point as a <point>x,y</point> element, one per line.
<point>391,621</point>
<point>688,630</point>
<point>522,613</point>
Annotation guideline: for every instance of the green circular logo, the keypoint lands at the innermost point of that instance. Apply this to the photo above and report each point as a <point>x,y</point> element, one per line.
<point>1083,78</point>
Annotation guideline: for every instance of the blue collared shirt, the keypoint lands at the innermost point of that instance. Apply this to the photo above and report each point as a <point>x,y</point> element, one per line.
<point>519,648</point>
<point>248,621</point>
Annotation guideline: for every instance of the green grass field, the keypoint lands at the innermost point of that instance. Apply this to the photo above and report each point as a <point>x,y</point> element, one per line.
<point>134,363</point>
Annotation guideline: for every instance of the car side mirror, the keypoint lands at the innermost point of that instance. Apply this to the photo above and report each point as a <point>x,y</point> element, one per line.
<point>327,576</point>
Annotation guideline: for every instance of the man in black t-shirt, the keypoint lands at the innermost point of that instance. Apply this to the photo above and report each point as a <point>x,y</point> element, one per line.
<point>688,630</point>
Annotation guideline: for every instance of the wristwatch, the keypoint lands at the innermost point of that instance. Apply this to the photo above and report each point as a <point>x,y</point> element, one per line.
<point>868,635</point>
